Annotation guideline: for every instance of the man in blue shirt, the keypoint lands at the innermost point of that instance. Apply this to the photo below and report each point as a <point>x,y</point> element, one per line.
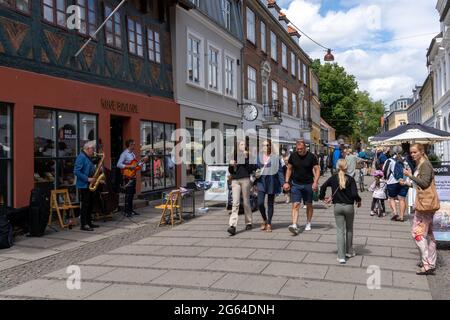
<point>126,162</point>
<point>338,154</point>
<point>84,170</point>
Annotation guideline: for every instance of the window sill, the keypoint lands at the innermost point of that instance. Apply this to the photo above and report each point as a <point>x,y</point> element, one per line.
<point>195,85</point>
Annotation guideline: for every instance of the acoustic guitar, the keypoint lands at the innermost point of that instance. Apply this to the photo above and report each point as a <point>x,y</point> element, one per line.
<point>131,173</point>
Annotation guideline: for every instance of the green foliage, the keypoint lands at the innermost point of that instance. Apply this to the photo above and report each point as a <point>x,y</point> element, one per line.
<point>351,112</point>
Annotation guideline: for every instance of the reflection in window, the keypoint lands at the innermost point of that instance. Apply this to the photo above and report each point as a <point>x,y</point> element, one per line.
<point>57,143</point>
<point>5,154</point>
<point>159,171</point>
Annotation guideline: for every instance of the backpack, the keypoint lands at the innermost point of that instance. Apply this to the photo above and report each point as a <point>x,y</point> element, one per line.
<point>6,232</point>
<point>386,169</point>
<point>38,213</point>
<point>398,170</point>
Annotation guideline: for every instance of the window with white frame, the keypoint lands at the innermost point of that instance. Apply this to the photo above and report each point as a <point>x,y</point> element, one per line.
<point>305,74</point>
<point>284,61</point>
<point>213,68</point>
<point>293,59</point>
<point>230,76</point>
<point>285,100</point>
<point>274,92</point>
<point>251,25</point>
<point>251,85</point>
<point>299,70</point>
<point>263,37</point>
<point>194,59</point>
<point>135,44</point>
<point>113,29</point>
<point>226,9</point>
<point>294,105</point>
<point>273,45</point>
<point>154,46</point>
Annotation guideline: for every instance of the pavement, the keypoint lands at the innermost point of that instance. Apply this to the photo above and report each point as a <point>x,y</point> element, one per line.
<point>198,260</point>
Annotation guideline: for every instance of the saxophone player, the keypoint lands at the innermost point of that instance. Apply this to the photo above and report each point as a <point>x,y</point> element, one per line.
<point>84,170</point>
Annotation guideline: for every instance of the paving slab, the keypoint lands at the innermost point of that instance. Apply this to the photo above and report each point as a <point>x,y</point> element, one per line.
<point>128,275</point>
<point>87,272</point>
<point>251,283</point>
<point>363,293</point>
<point>189,278</point>
<point>135,249</point>
<point>330,259</point>
<point>227,252</point>
<point>128,292</point>
<point>238,266</point>
<point>132,261</point>
<point>278,255</point>
<point>189,263</point>
<point>192,294</point>
<point>356,275</point>
<point>311,289</point>
<point>297,270</point>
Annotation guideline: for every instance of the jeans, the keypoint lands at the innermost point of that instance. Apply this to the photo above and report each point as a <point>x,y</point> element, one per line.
<point>344,215</point>
<point>262,207</point>
<point>422,232</point>
<point>87,203</point>
<point>238,186</point>
<point>130,191</point>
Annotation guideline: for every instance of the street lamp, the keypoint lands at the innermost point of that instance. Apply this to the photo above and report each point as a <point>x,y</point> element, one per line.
<point>329,57</point>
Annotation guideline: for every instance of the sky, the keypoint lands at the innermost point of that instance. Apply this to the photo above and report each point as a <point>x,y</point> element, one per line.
<point>360,32</point>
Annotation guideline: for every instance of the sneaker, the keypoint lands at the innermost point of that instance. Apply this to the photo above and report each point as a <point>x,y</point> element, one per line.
<point>294,229</point>
<point>308,227</point>
<point>232,231</point>
<point>304,207</point>
<point>248,227</point>
<point>351,255</point>
<point>342,261</point>
<point>372,213</point>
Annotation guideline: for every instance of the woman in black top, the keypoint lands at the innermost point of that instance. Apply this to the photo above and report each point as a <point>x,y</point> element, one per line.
<point>240,170</point>
<point>344,197</point>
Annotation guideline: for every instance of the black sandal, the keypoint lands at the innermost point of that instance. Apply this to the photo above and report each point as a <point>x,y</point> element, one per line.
<point>394,218</point>
<point>424,272</point>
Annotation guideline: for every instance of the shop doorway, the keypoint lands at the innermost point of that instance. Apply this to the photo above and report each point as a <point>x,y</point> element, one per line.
<point>117,142</point>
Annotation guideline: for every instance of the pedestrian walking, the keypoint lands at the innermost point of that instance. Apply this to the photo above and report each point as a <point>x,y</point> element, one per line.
<point>426,205</point>
<point>378,189</point>
<point>269,183</point>
<point>240,170</point>
<point>344,196</point>
<point>304,170</point>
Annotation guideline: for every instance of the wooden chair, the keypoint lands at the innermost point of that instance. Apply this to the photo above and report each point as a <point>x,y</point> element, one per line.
<point>171,207</point>
<point>62,208</point>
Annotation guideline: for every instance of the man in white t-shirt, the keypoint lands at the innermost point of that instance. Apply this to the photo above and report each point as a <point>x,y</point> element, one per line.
<point>395,190</point>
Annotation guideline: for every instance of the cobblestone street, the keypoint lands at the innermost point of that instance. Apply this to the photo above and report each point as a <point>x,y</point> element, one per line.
<point>198,260</point>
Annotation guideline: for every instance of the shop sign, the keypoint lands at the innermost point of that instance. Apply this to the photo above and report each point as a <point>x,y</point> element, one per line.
<point>441,223</point>
<point>118,106</point>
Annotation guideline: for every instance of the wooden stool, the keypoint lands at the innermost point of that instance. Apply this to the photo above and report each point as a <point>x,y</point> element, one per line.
<point>62,208</point>
<point>173,205</point>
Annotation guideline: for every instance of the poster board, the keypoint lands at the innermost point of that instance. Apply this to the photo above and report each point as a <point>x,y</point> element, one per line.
<point>218,175</point>
<point>441,222</point>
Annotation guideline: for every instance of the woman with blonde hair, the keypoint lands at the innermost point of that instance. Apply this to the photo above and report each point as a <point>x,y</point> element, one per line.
<point>426,205</point>
<point>344,196</point>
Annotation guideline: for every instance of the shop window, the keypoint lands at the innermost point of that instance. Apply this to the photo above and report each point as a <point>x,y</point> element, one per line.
<point>159,172</point>
<point>6,154</point>
<point>196,169</point>
<point>58,139</point>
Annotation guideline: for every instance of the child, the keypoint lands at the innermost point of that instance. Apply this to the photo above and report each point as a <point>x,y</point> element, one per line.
<point>378,188</point>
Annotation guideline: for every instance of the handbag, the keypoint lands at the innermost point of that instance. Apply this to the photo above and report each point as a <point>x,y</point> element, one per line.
<point>427,200</point>
<point>329,201</point>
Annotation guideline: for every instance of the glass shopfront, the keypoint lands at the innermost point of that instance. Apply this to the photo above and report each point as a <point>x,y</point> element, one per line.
<point>195,170</point>
<point>58,139</point>
<point>6,154</point>
<point>160,171</point>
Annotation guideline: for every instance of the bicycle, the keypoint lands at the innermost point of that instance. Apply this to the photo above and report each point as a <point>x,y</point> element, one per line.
<point>379,209</point>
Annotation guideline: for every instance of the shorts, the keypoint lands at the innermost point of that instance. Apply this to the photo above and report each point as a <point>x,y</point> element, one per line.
<point>397,190</point>
<point>301,192</point>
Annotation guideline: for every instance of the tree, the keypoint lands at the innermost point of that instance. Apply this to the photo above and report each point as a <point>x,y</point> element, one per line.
<point>351,112</point>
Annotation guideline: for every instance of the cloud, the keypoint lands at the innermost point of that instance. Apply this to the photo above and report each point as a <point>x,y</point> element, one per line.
<point>357,31</point>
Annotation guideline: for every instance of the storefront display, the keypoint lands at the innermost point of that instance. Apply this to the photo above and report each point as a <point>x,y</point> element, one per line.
<point>57,144</point>
<point>6,153</point>
<point>159,171</point>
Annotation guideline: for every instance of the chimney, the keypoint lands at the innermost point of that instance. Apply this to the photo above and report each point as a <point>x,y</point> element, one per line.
<point>273,8</point>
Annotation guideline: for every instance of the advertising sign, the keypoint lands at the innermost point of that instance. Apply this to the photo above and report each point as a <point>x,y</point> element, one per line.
<point>218,176</point>
<point>441,223</point>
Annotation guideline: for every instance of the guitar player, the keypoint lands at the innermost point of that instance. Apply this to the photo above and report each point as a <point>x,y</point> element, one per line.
<point>128,163</point>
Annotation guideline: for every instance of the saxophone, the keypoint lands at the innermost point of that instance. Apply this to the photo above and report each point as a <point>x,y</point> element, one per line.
<point>99,177</point>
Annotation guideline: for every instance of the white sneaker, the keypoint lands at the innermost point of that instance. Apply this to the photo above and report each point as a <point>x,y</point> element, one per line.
<point>294,229</point>
<point>308,227</point>
<point>351,255</point>
<point>372,213</point>
<point>304,207</point>
<point>341,261</point>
